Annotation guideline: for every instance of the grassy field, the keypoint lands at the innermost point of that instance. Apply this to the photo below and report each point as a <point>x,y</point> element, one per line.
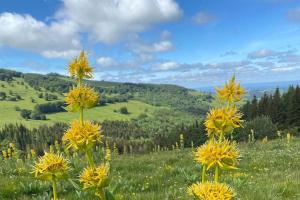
<point>266,172</point>
<point>110,111</point>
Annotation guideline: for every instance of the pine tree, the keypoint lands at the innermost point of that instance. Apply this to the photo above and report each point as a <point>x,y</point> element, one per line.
<point>288,99</point>
<point>263,105</point>
<point>295,111</point>
<point>253,108</point>
<point>276,111</point>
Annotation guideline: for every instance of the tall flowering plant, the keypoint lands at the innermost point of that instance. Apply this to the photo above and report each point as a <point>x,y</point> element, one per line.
<point>83,135</point>
<point>218,153</point>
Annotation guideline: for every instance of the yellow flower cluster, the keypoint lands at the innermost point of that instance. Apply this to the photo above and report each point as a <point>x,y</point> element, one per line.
<point>82,136</point>
<point>222,121</point>
<point>95,178</point>
<point>81,97</point>
<point>51,165</point>
<point>219,153</point>
<point>232,92</point>
<point>79,67</point>
<point>211,191</point>
<point>223,154</point>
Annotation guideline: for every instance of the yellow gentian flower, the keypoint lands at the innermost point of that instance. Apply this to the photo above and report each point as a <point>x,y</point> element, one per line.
<point>213,154</point>
<point>81,97</point>
<point>211,191</point>
<point>231,92</point>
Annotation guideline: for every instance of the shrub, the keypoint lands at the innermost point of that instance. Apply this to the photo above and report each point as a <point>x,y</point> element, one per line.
<point>25,113</point>
<point>2,95</point>
<point>37,115</point>
<point>12,99</point>
<point>18,97</point>
<point>123,110</point>
<point>262,127</point>
<point>50,107</point>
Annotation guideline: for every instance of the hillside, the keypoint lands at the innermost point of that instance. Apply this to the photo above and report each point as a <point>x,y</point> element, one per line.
<point>25,91</point>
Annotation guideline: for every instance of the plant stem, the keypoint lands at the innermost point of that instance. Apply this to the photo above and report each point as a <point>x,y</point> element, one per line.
<point>89,157</point>
<point>101,194</point>
<point>203,173</point>
<point>217,173</point>
<point>81,115</point>
<point>79,82</point>
<point>221,137</point>
<point>54,188</point>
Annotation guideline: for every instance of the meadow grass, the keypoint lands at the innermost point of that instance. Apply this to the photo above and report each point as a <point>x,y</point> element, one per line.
<point>110,111</point>
<point>266,172</point>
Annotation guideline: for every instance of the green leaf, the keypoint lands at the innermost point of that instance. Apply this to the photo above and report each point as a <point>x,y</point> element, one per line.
<point>109,195</point>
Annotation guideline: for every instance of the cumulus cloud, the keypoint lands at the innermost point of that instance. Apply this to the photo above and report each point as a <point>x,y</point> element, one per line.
<point>106,62</point>
<point>166,66</point>
<point>25,32</point>
<point>104,21</point>
<point>203,18</point>
<point>108,21</point>
<point>156,47</point>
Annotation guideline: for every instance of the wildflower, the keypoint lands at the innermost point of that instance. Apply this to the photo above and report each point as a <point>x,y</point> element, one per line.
<point>181,141</point>
<point>222,120</point>
<point>81,97</point>
<point>288,137</point>
<point>51,165</point>
<point>82,136</point>
<point>222,154</point>
<point>211,191</point>
<point>4,154</point>
<point>279,133</point>
<point>11,145</point>
<point>33,153</point>
<point>232,92</point>
<point>80,68</point>
<point>107,154</point>
<point>95,178</point>
<point>265,140</point>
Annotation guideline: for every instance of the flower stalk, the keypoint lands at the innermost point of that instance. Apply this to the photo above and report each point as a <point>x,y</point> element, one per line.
<point>203,176</point>
<point>84,135</point>
<point>217,174</point>
<point>218,153</point>
<point>54,188</point>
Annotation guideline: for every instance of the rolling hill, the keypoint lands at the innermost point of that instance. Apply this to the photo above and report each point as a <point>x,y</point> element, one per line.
<point>19,91</point>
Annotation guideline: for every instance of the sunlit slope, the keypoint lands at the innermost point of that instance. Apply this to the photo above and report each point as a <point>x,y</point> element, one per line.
<point>30,98</point>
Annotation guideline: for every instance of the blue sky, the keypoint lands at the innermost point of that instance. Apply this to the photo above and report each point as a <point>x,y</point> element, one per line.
<point>193,43</point>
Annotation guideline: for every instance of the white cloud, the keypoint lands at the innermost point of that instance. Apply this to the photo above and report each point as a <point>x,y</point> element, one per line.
<point>166,66</point>
<point>262,53</point>
<point>25,32</point>
<point>109,21</point>
<point>104,21</point>
<point>161,46</point>
<point>106,62</point>
<point>283,69</point>
<point>203,18</point>
<point>60,54</point>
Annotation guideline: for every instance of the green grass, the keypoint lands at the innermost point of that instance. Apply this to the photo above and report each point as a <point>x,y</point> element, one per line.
<point>266,172</point>
<point>108,112</point>
<point>8,112</point>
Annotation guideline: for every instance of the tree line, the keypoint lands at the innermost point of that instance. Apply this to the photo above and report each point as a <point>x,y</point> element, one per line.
<point>283,109</point>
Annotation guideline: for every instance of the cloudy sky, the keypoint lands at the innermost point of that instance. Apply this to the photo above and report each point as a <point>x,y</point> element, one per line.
<point>193,43</point>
